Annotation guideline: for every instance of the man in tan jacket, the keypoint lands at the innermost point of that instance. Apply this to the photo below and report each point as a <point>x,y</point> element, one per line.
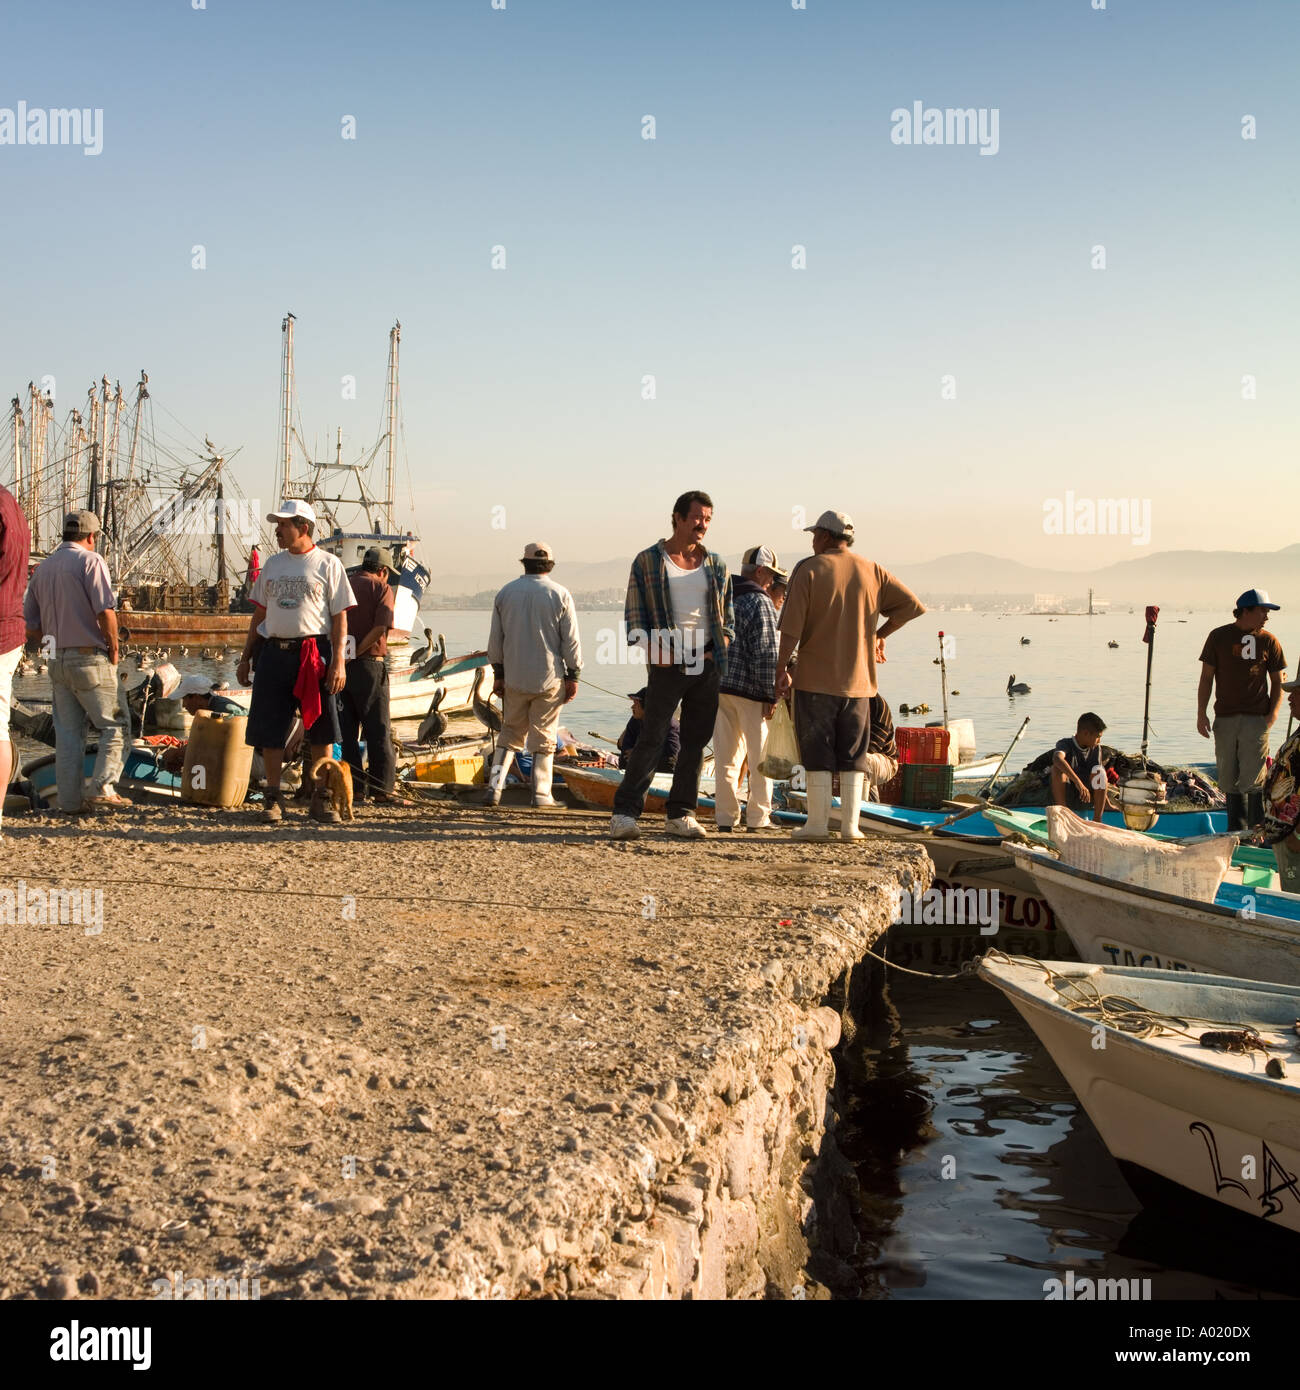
<point>831,612</point>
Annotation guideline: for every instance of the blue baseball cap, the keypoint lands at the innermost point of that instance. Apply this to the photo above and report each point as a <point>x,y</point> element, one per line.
<point>1256,598</point>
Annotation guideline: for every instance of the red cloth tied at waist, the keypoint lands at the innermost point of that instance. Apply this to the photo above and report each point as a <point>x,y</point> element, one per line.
<point>306,688</point>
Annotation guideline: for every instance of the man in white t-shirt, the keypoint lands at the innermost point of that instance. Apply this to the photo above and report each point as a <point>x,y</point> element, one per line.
<point>300,601</point>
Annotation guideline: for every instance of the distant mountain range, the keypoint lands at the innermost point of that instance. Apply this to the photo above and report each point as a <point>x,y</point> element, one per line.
<point>1172,578</point>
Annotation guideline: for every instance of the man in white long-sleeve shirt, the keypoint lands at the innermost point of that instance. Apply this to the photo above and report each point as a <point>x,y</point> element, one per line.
<point>536,658</point>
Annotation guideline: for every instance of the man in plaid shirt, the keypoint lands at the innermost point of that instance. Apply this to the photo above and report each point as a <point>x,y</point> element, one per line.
<point>679,609</point>
<point>746,694</point>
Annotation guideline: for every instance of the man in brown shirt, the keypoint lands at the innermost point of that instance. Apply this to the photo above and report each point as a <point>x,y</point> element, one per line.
<point>834,603</point>
<point>1246,667</point>
<point>363,701</point>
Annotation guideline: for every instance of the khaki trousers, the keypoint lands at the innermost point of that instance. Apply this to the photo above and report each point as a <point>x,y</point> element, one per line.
<point>740,732</point>
<point>1240,749</point>
<point>530,718</point>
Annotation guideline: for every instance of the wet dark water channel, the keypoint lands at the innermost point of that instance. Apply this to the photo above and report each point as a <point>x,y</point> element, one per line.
<point>975,1172</point>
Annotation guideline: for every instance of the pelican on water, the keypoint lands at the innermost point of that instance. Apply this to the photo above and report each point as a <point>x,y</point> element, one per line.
<point>1016,688</point>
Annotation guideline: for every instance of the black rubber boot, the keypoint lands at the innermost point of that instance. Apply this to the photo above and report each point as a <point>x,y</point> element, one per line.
<point>1254,810</point>
<point>1236,812</point>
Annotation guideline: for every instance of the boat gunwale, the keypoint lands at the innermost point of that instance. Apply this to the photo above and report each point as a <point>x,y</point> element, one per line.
<point>1035,860</point>
<point>1213,1063</point>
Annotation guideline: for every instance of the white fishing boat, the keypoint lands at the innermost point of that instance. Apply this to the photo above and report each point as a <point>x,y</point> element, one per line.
<point>1246,929</point>
<point>1182,1119</point>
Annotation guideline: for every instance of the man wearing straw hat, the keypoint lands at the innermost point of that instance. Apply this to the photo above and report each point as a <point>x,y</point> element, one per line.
<point>835,600</point>
<point>536,660</point>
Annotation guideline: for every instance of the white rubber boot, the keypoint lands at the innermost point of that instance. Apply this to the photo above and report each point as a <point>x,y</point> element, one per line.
<point>497,773</point>
<point>850,805</point>
<point>543,774</point>
<point>817,826</point>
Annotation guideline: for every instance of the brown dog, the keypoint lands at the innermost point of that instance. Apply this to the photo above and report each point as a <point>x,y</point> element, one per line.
<point>337,780</point>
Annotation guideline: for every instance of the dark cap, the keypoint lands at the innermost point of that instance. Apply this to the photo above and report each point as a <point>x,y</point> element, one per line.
<point>640,694</point>
<point>378,557</point>
<point>83,523</point>
<point>1256,598</point>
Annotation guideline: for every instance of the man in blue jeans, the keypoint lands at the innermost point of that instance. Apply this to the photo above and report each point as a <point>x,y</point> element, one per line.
<point>70,610</point>
<point>679,609</point>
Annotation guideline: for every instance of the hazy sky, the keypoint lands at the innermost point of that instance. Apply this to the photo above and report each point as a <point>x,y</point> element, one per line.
<point>776,388</point>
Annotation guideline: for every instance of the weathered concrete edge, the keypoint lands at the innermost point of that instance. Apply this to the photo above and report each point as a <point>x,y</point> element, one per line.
<point>713,1198</point>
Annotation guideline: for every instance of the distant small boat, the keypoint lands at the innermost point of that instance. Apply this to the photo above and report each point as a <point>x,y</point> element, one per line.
<point>1179,1117</point>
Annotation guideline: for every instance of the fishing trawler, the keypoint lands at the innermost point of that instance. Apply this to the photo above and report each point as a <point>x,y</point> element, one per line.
<point>175,533</point>
<point>353,522</point>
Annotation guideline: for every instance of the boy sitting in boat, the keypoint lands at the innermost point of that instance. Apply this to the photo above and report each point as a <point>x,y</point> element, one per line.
<point>1078,772</point>
<point>627,740</point>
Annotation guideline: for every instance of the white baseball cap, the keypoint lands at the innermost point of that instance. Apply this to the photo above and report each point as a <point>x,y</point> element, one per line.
<point>837,523</point>
<point>764,555</point>
<point>293,510</point>
<point>194,685</point>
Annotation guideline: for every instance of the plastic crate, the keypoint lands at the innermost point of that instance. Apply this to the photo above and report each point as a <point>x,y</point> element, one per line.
<point>925,746</point>
<point>926,786</point>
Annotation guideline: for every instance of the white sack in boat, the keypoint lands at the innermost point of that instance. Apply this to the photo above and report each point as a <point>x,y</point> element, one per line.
<point>1193,870</point>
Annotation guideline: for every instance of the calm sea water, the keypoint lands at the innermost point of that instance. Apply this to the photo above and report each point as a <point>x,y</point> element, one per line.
<point>949,1080</point>
<point>1067,663</point>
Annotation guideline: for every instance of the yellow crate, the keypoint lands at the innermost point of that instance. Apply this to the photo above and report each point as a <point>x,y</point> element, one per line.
<point>470,772</point>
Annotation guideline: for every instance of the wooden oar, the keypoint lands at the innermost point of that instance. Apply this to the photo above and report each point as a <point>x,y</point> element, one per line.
<point>1002,763</point>
<point>591,733</point>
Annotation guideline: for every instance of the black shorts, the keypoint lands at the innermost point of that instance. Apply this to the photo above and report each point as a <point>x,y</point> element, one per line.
<point>834,731</point>
<point>274,705</point>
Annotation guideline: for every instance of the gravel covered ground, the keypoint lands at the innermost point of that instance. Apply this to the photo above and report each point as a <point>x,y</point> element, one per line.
<point>266,1065</point>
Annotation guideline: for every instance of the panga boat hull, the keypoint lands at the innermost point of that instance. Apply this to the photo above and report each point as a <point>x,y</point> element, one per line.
<point>1113,923</point>
<point>1207,1123</point>
<point>595,787</point>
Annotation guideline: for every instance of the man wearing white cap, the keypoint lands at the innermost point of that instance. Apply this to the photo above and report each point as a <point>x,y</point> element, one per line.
<point>1246,667</point>
<point>746,694</point>
<point>195,694</point>
<point>536,659</point>
<point>834,603</point>
<point>302,596</point>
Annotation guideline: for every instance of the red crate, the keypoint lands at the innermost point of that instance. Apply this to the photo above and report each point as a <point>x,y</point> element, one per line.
<point>922,745</point>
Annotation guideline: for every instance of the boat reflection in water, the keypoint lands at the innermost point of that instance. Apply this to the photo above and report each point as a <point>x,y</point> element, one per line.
<point>976,1173</point>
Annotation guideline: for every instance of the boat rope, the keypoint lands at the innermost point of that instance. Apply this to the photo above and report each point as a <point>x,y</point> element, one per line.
<point>1082,996</point>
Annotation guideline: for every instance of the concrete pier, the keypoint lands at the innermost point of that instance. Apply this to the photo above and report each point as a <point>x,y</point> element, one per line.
<point>556,1067</point>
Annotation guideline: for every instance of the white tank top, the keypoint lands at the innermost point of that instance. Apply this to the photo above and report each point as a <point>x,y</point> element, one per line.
<point>688,592</point>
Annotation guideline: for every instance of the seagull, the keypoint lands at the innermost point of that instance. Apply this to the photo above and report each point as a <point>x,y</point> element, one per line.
<point>1014,688</point>
<point>1024,641</point>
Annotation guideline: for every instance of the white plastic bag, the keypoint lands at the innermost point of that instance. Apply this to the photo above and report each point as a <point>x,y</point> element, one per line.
<point>781,751</point>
